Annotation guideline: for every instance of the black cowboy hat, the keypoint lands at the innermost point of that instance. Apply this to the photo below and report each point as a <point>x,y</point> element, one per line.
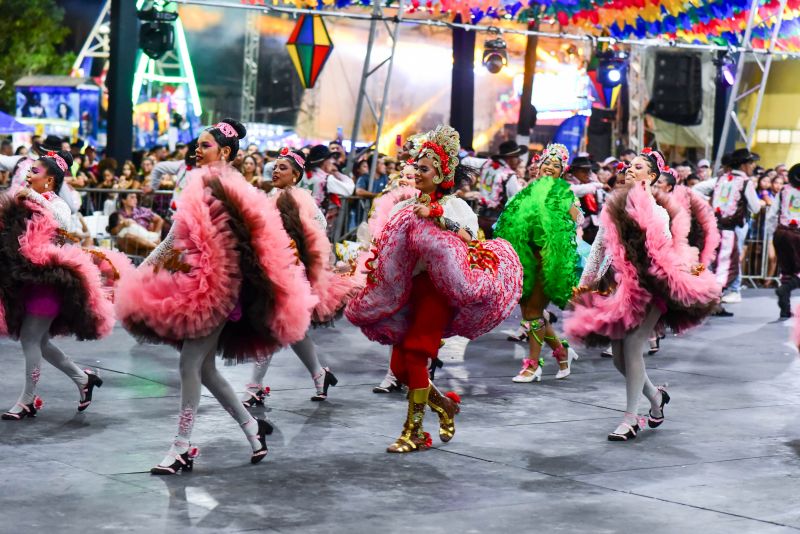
<point>509,149</point>
<point>318,154</point>
<point>51,143</point>
<point>742,155</point>
<point>581,162</point>
<point>794,175</point>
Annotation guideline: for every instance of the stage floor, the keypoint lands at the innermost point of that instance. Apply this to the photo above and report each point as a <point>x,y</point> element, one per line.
<point>525,458</point>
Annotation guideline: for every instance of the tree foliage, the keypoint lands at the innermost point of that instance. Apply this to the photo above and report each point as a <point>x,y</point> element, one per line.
<point>30,34</point>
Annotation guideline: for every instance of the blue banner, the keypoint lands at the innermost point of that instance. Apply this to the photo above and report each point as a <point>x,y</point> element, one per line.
<point>570,134</point>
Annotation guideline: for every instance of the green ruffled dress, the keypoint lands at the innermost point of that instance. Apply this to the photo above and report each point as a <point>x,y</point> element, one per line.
<point>537,223</point>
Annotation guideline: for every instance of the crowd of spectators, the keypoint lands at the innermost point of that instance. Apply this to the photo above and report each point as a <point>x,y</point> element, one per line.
<point>138,219</point>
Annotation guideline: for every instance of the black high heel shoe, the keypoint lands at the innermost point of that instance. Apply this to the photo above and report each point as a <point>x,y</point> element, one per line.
<point>86,392</point>
<point>28,410</point>
<point>257,394</point>
<point>330,380</point>
<point>655,422</point>
<point>183,462</point>
<point>655,349</point>
<point>629,434</point>
<point>264,429</point>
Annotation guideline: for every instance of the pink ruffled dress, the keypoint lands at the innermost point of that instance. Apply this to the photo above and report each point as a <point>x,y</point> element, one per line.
<point>481,282</point>
<point>226,260</point>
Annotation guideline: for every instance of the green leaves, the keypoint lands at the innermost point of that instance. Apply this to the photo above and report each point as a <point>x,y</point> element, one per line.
<point>30,34</point>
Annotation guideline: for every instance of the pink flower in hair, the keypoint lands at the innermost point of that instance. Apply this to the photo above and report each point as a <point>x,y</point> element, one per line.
<point>226,129</point>
<point>58,159</point>
<point>288,154</point>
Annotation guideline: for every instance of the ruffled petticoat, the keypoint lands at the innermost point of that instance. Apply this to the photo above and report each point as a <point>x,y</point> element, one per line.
<point>482,282</point>
<point>227,248</point>
<point>648,268</point>
<point>537,223</point>
<point>45,274</point>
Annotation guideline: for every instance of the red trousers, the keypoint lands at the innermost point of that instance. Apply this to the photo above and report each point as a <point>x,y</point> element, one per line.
<point>429,315</point>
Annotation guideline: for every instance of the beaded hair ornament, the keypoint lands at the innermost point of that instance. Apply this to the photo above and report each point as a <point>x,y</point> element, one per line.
<point>441,146</point>
<point>288,154</point>
<point>670,171</point>
<point>226,129</point>
<point>62,164</point>
<point>649,152</point>
<point>555,151</point>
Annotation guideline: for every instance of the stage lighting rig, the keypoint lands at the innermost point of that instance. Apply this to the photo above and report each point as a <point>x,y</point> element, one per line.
<point>156,33</point>
<point>612,67</point>
<point>495,53</point>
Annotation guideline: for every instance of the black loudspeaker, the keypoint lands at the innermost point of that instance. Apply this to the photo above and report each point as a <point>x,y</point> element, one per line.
<point>462,98</point>
<point>677,88</point>
<point>600,132</point>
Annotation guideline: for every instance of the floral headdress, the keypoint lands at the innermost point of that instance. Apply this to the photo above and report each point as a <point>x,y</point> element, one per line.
<point>649,152</point>
<point>59,161</point>
<point>442,146</point>
<point>556,151</point>
<point>287,153</point>
<point>226,129</point>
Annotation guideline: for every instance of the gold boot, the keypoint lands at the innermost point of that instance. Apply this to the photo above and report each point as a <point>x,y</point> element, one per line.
<point>446,406</point>
<point>413,438</point>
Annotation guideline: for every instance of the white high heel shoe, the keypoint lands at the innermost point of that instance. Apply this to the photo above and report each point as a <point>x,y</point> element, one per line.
<point>523,377</point>
<point>571,355</point>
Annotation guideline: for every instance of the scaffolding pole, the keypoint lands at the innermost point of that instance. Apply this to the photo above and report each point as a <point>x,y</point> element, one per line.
<point>739,92</point>
<point>376,109</point>
<point>98,44</point>
<point>252,46</point>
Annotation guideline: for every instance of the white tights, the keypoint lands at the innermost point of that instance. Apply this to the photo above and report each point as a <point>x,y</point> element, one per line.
<point>629,360</point>
<point>35,339</point>
<point>305,350</point>
<point>198,368</point>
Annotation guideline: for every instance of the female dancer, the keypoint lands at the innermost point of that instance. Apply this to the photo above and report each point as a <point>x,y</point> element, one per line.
<point>703,233</point>
<point>306,225</point>
<point>326,183</point>
<point>224,280</point>
<point>641,274</point>
<point>47,290</point>
<point>430,280</point>
<point>539,222</point>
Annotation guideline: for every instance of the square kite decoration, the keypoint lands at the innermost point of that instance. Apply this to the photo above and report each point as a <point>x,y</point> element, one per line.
<point>309,47</point>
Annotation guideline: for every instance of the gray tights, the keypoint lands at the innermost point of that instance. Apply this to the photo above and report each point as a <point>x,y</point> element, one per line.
<point>629,360</point>
<point>35,339</point>
<point>198,368</point>
<point>307,353</point>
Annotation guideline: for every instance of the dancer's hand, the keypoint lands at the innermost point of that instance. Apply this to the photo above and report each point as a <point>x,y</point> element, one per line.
<point>698,268</point>
<point>23,193</point>
<point>420,210</point>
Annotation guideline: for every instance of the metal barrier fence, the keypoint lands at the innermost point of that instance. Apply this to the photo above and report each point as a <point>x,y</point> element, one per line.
<point>99,205</point>
<point>759,264</point>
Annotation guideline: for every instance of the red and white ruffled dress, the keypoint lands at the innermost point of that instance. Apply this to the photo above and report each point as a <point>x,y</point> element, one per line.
<point>480,283</point>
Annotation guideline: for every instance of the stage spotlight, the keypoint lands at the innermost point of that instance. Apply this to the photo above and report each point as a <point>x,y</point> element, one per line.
<point>156,34</point>
<point>725,68</point>
<point>495,55</point>
<point>727,74</point>
<point>611,73</point>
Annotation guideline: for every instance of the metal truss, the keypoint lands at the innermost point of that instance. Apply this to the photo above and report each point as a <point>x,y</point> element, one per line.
<point>98,44</point>
<point>377,109</point>
<point>739,91</point>
<point>252,47</point>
